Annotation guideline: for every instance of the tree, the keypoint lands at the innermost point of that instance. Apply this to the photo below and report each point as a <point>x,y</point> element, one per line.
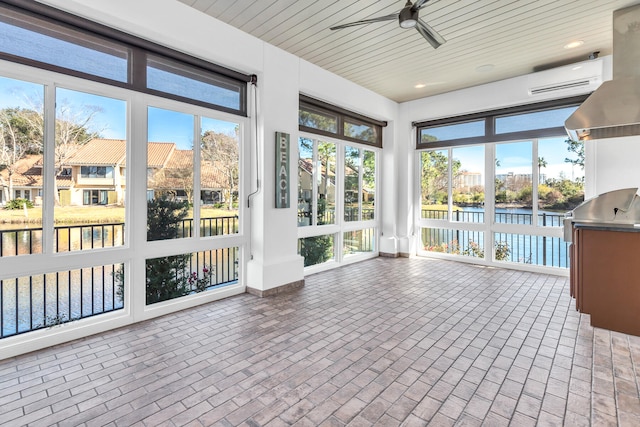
<point>18,137</point>
<point>435,176</point>
<point>223,152</point>
<point>167,277</point>
<point>317,121</point>
<point>542,163</point>
<point>72,129</point>
<point>576,147</point>
<point>369,169</point>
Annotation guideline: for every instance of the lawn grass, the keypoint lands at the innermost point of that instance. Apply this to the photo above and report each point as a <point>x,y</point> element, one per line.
<point>88,214</point>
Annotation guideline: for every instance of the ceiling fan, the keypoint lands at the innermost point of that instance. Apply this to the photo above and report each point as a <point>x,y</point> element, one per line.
<point>408,17</point>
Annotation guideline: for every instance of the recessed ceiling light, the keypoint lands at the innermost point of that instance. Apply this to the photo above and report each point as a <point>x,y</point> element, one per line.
<point>484,68</point>
<point>420,85</point>
<point>573,44</point>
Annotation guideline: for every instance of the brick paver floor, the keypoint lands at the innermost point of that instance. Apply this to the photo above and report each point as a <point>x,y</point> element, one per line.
<point>382,342</point>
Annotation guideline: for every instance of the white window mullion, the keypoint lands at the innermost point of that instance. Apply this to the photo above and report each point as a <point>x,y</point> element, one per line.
<point>360,182</point>
<point>313,221</point>
<point>450,185</point>
<point>535,180</point>
<point>340,205</point>
<point>197,202</point>
<point>489,200</point>
<point>49,172</point>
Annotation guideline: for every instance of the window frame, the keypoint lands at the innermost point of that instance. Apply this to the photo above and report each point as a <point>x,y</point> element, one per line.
<point>307,103</point>
<point>490,117</point>
<point>341,226</point>
<point>139,49</point>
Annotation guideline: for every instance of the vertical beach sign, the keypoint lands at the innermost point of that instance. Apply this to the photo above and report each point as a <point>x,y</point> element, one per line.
<point>282,170</point>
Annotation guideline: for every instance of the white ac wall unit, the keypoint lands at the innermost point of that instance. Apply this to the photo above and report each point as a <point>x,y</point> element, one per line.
<point>575,79</point>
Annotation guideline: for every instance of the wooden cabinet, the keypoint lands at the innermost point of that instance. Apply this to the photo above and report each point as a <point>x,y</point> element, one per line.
<point>605,277</point>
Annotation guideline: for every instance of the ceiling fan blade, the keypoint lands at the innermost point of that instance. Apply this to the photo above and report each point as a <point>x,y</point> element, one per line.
<point>419,4</point>
<point>430,34</point>
<point>367,21</point>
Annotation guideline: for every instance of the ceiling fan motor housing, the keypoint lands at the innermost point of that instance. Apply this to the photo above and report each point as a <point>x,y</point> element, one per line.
<point>408,17</point>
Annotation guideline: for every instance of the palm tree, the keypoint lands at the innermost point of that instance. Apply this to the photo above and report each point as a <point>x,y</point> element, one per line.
<point>542,163</point>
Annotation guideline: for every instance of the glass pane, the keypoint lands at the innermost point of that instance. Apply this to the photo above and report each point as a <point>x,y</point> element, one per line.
<point>454,131</point>
<point>317,249</point>
<point>305,181</point>
<point>358,241</point>
<point>560,181</point>
<point>528,249</point>
<point>536,120</point>
<point>455,242</point>
<point>434,184</point>
<point>318,119</point>
<point>21,154</point>
<point>361,131</point>
<point>169,174</point>
<point>90,133</point>
<point>352,191</point>
<point>219,177</point>
<point>513,181</point>
<point>326,183</point>
<point>42,41</point>
<point>368,185</point>
<point>45,300</point>
<point>180,275</point>
<point>177,79</point>
<point>468,184</point>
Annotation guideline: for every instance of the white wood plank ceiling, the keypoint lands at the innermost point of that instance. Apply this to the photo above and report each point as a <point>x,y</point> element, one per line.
<point>487,40</point>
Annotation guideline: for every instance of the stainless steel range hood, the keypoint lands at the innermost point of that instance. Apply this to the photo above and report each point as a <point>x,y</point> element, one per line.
<point>613,110</point>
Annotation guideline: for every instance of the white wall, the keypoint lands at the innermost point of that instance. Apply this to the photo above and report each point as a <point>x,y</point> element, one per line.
<point>281,77</point>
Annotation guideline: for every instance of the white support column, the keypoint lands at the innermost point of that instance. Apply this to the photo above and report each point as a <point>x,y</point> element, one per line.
<point>274,261</point>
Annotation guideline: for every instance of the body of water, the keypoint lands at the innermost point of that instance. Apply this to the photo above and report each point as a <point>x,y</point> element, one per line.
<point>519,248</point>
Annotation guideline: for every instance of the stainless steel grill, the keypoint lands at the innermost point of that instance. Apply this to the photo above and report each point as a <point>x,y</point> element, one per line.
<point>620,207</point>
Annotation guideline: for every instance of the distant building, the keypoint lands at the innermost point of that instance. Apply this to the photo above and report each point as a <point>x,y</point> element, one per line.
<point>466,180</point>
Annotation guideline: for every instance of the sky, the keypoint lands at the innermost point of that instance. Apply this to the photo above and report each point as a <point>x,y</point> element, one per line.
<point>517,158</point>
<point>110,114</point>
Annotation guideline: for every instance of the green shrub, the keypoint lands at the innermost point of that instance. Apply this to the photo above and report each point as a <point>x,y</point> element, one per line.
<point>18,204</point>
<point>316,250</point>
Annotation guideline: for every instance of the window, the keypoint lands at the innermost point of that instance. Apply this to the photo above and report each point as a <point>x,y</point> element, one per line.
<point>544,119</point>
<point>95,172</point>
<point>316,182</point>
<point>73,171</point>
<point>359,184</point>
<point>54,44</point>
<point>337,175</point>
<point>501,201</point>
<point>37,35</point>
<point>95,197</point>
<point>187,82</point>
<point>321,118</point>
<point>316,118</point>
<point>332,174</point>
<point>362,131</point>
<point>551,118</point>
<point>452,132</point>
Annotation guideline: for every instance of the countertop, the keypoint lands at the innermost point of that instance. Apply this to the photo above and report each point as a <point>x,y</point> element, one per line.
<point>608,226</point>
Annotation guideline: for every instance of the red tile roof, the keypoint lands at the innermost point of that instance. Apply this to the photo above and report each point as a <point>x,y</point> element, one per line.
<point>100,152</point>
